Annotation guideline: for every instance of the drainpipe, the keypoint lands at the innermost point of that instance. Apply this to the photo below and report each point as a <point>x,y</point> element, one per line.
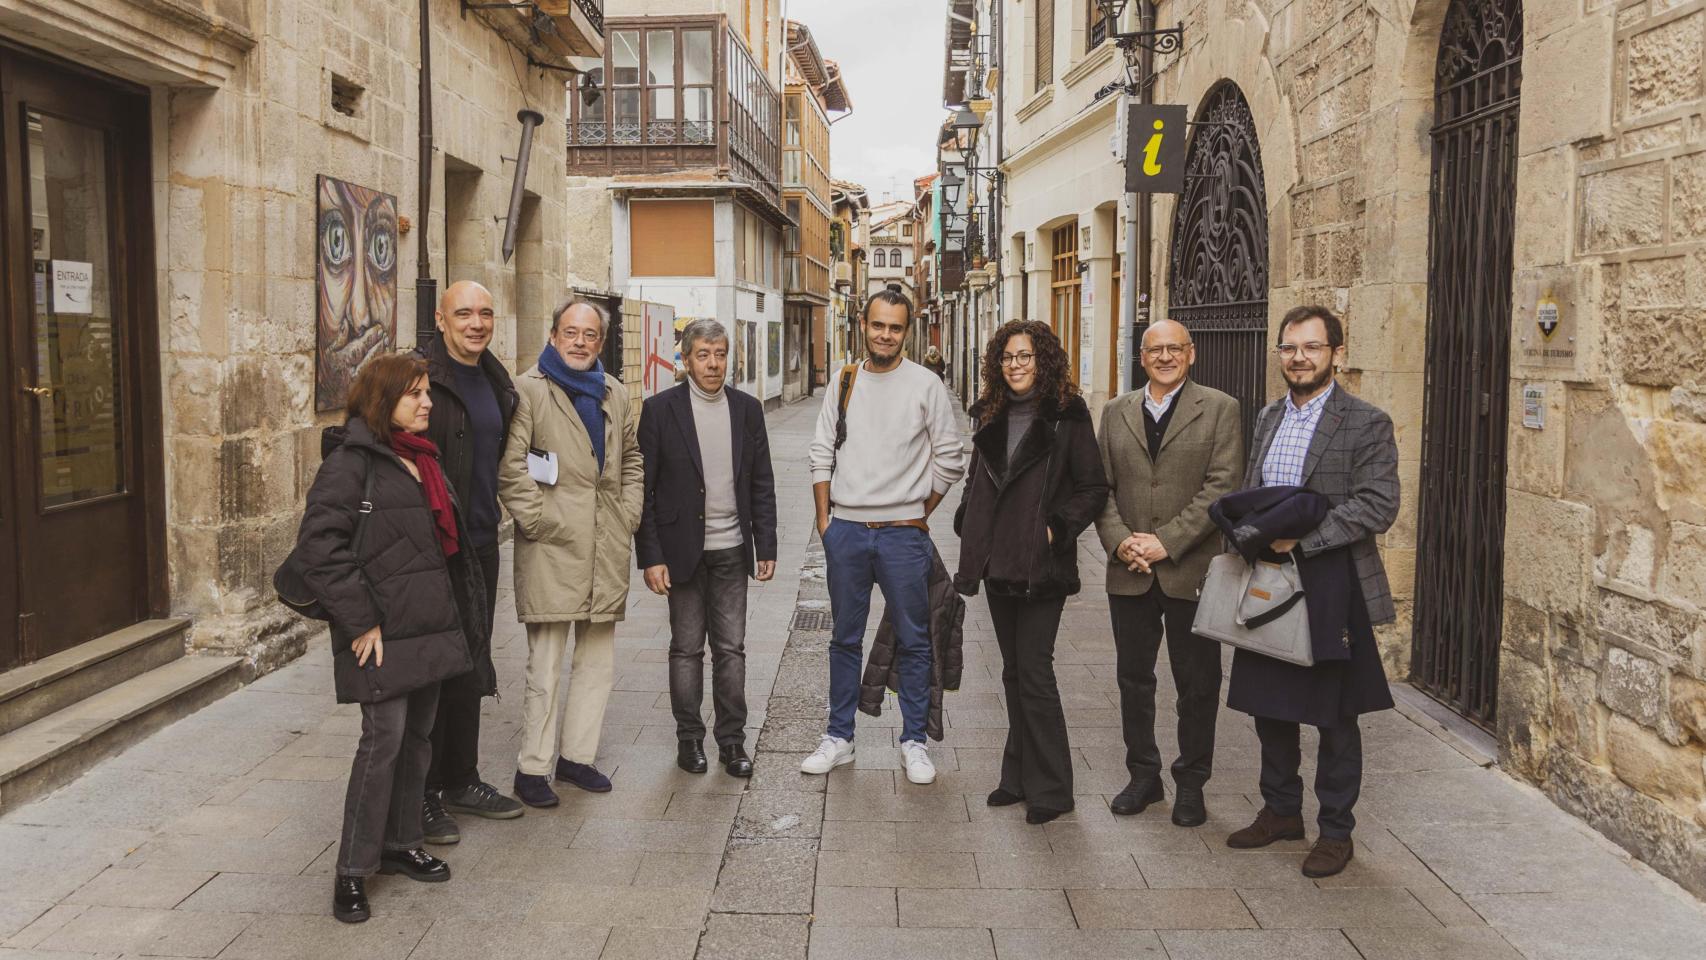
<point>426,288</point>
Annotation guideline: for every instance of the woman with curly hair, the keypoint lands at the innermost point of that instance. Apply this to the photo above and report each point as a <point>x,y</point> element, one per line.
<point>1034,485</point>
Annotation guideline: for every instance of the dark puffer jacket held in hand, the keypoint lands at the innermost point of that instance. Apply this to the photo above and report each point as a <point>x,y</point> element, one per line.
<point>1054,484</point>
<point>947,652</point>
<point>427,607</point>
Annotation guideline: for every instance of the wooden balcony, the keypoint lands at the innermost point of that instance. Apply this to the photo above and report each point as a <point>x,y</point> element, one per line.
<point>678,96</point>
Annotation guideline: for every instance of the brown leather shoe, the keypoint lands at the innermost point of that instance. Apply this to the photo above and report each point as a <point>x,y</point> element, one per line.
<point>1269,827</point>
<point>1328,857</point>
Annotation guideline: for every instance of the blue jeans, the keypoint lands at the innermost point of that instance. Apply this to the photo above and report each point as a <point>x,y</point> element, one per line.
<point>897,559</point>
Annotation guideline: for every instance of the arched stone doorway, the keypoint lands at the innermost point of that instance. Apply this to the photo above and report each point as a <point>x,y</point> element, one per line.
<point>1218,273</point>
<point>1460,549</point>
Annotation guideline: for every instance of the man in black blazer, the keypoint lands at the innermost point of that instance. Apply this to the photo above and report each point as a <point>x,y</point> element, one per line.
<point>707,523</point>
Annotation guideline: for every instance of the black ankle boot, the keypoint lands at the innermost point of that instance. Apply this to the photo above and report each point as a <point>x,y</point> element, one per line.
<point>1137,796</point>
<point>690,756</point>
<point>735,761</point>
<point>349,899</point>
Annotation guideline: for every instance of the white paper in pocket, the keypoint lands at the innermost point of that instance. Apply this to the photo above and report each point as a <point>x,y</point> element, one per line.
<point>542,467</point>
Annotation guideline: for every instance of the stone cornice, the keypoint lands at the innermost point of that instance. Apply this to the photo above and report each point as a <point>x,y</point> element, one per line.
<point>1033,106</point>
<point>150,41</point>
<point>1090,63</point>
<point>191,16</point>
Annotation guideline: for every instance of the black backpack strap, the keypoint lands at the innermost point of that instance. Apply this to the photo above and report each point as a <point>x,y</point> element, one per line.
<point>365,508</point>
<point>848,374</point>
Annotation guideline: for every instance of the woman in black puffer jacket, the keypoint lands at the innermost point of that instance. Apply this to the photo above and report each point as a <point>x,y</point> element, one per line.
<point>1034,485</point>
<point>380,548</point>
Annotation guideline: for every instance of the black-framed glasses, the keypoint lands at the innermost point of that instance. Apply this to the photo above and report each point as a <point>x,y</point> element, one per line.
<point>1312,349</point>
<point>1018,359</point>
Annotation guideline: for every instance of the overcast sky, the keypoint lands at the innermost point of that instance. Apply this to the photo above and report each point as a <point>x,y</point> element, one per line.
<point>890,53</point>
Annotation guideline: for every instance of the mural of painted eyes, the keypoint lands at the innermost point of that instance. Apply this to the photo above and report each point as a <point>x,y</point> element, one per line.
<point>334,239</point>
<point>381,250</point>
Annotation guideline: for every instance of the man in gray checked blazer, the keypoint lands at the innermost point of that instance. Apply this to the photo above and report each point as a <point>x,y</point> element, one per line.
<point>1322,438</point>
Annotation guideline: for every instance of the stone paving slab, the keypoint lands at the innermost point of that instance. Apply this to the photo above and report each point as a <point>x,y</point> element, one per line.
<point>217,835</point>
<point>1077,945</point>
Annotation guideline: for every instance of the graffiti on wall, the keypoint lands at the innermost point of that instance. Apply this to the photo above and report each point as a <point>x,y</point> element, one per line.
<point>355,275</point>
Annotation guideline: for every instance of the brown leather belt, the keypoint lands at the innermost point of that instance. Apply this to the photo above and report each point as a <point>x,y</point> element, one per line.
<point>880,524</point>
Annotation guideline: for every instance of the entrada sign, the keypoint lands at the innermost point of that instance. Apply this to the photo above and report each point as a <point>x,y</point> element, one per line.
<point>1155,148</point>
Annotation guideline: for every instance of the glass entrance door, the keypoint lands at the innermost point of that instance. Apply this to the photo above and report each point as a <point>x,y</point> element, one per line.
<point>76,241</point>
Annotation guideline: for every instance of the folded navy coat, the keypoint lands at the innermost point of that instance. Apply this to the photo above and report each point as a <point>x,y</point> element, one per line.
<point>1252,519</point>
<point>1347,678</point>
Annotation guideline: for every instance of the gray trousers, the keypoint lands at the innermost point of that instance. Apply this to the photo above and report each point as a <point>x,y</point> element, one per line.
<point>382,809</point>
<point>711,604</point>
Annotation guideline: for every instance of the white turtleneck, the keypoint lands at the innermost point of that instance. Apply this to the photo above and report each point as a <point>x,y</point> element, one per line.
<point>716,452</point>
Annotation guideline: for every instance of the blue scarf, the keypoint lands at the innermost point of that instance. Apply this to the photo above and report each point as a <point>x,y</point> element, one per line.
<point>586,391</point>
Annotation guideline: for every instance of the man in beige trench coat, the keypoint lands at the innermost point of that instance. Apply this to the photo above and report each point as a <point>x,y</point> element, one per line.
<point>573,479</point>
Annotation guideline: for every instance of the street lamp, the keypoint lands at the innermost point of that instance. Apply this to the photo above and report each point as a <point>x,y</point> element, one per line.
<point>1147,38</point>
<point>951,185</point>
<point>1111,10</point>
<point>966,120</point>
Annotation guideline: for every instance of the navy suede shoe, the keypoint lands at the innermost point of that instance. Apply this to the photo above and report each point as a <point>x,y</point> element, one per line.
<point>534,791</point>
<point>583,775</point>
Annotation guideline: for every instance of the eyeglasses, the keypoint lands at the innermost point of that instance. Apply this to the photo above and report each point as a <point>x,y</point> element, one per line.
<point>580,336</point>
<point>1312,349</point>
<point>1166,349</point>
<point>1017,359</point>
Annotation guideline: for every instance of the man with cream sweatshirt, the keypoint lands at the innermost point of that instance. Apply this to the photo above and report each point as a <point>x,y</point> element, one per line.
<point>875,486</point>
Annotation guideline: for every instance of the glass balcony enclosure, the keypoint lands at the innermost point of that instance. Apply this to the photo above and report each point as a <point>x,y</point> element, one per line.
<point>677,94</point>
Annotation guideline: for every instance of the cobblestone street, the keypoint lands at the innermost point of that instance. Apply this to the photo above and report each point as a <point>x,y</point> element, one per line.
<point>216,836</point>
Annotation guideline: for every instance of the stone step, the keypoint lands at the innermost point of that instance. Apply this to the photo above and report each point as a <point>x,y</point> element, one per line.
<point>57,748</point>
<point>38,689</point>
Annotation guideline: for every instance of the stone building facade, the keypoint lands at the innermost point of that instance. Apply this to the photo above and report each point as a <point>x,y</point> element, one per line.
<point>247,105</point>
<point>675,171</point>
<point>1552,308</point>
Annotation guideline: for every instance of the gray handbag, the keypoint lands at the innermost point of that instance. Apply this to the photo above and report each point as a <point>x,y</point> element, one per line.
<point>1260,609</point>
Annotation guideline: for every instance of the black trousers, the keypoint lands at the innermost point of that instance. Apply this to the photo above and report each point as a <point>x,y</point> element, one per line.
<point>382,806</point>
<point>1338,772</point>
<point>1196,677</point>
<point>711,605</point>
<point>1037,763</point>
<point>456,728</point>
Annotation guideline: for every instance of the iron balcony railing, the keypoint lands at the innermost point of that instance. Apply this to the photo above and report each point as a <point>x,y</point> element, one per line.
<point>589,133</point>
<point>593,10</point>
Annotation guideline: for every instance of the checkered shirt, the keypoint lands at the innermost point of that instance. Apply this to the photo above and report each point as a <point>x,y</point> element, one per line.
<point>1283,466</point>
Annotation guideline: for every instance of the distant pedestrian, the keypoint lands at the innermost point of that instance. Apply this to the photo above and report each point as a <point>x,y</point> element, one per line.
<point>878,471</point>
<point>934,363</point>
<point>572,478</point>
<point>1171,448</point>
<point>708,523</point>
<point>385,552</point>
<point>473,401</point>
<point>1034,485</point>
<point>1320,438</point>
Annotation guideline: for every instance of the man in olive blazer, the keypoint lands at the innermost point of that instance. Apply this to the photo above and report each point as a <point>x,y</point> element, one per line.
<point>1169,449</point>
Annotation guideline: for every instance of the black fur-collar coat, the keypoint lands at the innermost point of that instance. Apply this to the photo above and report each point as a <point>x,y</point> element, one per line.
<point>1019,521</point>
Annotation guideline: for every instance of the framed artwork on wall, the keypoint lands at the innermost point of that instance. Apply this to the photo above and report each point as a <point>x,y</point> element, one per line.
<point>355,279</point>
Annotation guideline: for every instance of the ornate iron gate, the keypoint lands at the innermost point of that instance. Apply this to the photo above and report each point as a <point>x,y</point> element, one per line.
<point>1460,554</point>
<point>1218,279</point>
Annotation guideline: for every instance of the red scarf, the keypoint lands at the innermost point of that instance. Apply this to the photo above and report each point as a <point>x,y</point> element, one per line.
<point>424,453</point>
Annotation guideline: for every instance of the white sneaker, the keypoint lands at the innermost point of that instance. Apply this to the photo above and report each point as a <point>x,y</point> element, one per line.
<point>831,752</point>
<point>916,760</point>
